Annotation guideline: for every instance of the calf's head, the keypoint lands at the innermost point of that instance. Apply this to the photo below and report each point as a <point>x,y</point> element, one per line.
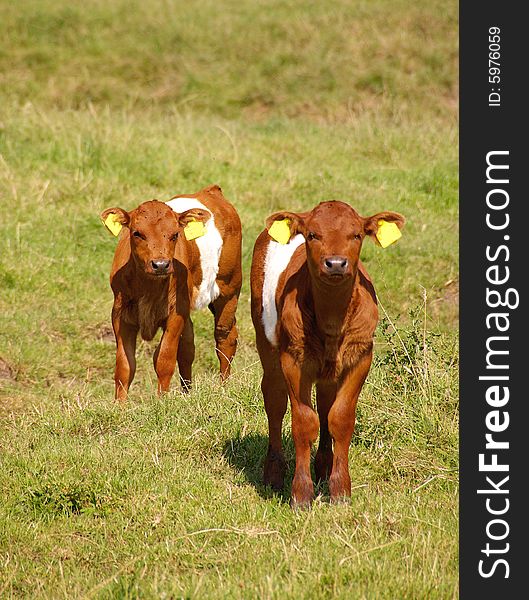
<point>154,229</point>
<point>334,233</point>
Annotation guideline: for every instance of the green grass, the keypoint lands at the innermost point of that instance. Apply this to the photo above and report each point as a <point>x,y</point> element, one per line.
<point>284,104</point>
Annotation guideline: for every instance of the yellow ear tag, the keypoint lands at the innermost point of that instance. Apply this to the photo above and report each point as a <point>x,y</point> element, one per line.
<point>194,229</point>
<point>112,224</point>
<point>387,233</point>
<point>280,231</point>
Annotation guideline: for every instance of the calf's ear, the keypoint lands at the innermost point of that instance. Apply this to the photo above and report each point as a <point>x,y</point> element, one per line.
<point>283,226</point>
<point>384,227</point>
<point>193,221</point>
<point>114,219</point>
<point>193,214</point>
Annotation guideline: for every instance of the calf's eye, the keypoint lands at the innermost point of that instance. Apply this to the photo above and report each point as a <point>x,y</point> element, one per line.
<point>311,236</point>
<point>137,234</point>
<point>173,237</point>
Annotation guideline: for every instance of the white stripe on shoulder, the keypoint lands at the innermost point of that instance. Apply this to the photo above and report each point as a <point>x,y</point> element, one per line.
<point>209,246</point>
<point>277,258</point>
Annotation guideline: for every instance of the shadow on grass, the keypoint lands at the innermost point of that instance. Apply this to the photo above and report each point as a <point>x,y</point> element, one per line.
<point>246,454</point>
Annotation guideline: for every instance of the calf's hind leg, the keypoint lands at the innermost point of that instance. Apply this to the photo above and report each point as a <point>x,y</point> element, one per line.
<point>325,395</point>
<point>186,355</point>
<point>226,334</point>
<point>275,397</point>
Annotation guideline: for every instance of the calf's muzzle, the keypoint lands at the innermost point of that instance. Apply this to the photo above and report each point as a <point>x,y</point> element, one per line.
<point>335,265</point>
<point>160,266</point>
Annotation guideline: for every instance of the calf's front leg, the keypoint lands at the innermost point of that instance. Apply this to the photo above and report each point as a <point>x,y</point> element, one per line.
<point>165,355</point>
<point>305,425</point>
<point>341,421</point>
<point>125,335</point>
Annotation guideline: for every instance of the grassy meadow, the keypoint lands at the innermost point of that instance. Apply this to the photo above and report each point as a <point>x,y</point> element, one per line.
<point>284,104</point>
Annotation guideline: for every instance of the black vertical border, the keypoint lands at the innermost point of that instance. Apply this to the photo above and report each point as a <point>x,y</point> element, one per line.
<point>484,129</point>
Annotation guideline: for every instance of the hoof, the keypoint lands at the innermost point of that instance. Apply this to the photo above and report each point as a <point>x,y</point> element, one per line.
<point>300,505</point>
<point>340,500</point>
<point>302,492</point>
<point>340,488</point>
<point>274,470</point>
<point>185,385</point>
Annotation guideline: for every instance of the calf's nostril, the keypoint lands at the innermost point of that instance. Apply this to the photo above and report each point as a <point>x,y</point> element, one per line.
<point>160,265</point>
<point>335,264</point>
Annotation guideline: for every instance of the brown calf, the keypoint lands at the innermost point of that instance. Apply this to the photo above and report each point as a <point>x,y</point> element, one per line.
<point>314,310</point>
<point>158,276</point>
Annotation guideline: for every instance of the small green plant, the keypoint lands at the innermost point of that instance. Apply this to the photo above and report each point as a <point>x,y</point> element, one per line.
<point>412,350</point>
<point>54,500</point>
